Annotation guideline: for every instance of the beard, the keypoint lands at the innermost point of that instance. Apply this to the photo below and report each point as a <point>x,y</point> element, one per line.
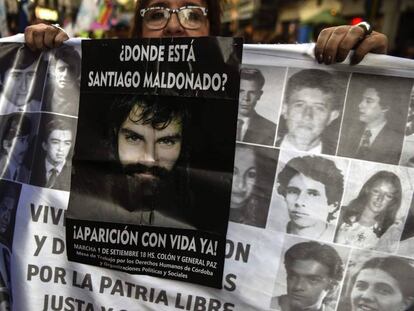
<point>144,186</point>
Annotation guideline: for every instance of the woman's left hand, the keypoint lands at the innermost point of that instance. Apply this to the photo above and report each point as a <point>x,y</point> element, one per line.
<point>334,44</point>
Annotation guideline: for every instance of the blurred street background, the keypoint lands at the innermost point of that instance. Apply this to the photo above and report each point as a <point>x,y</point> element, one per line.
<point>258,21</point>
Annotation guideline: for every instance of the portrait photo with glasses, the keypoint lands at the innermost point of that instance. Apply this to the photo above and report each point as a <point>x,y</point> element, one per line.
<point>373,205</point>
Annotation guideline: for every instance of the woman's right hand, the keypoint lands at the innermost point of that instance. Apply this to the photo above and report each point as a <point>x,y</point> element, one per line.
<point>43,37</point>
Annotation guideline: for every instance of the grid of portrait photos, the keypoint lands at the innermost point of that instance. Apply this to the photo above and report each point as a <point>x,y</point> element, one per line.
<point>39,95</point>
<point>324,178</point>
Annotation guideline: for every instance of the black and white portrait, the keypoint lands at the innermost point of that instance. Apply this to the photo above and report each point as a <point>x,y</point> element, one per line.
<point>253,177</point>
<point>375,281</point>
<point>375,117</point>
<point>375,204</point>
<point>309,189</point>
<point>54,152</point>
<point>407,155</point>
<point>17,132</point>
<point>310,276</point>
<point>62,89</point>
<point>406,231</point>
<point>23,81</point>
<point>258,104</point>
<point>6,297</point>
<point>311,111</point>
<point>9,199</point>
<point>153,161</point>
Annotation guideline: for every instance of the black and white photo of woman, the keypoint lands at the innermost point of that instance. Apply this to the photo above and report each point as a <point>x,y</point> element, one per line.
<point>253,177</point>
<point>380,204</point>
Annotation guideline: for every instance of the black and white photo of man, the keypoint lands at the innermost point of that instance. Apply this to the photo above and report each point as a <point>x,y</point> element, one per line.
<point>251,126</point>
<point>141,170</point>
<point>62,93</point>
<point>313,272</point>
<point>375,118</point>
<point>16,138</point>
<point>53,167</point>
<point>21,91</point>
<point>253,177</point>
<point>313,102</point>
<point>312,187</point>
<point>9,197</point>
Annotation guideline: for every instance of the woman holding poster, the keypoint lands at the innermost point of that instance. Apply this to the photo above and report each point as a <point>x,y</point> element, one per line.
<point>202,18</point>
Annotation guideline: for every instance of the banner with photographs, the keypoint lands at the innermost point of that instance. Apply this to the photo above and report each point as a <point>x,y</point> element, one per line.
<point>322,212</point>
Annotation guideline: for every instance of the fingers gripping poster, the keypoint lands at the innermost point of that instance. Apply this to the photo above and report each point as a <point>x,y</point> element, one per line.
<point>315,164</point>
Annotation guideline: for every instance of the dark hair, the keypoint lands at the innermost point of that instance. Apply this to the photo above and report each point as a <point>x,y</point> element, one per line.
<point>253,74</point>
<point>317,168</point>
<point>352,213</point>
<point>214,17</point>
<point>322,253</point>
<point>70,56</point>
<point>254,211</point>
<point>17,124</point>
<point>56,124</point>
<point>159,112</point>
<point>316,79</point>
<point>25,58</point>
<point>399,269</point>
<point>384,87</point>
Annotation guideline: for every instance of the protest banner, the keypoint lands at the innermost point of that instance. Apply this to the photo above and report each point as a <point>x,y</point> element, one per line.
<point>314,222</point>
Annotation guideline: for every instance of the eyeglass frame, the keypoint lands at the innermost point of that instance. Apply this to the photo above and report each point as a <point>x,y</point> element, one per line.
<point>172,11</point>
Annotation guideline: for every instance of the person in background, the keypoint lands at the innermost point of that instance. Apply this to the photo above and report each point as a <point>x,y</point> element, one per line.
<point>175,18</point>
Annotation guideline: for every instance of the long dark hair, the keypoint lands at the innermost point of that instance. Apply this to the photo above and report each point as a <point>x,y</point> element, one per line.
<point>352,213</point>
<point>214,17</point>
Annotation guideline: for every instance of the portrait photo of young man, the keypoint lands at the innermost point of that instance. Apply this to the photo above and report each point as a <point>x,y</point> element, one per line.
<point>375,118</point>
<point>309,188</point>
<point>23,82</point>
<point>9,199</point>
<point>17,132</point>
<point>253,127</point>
<point>62,89</point>
<point>153,163</point>
<point>311,111</point>
<point>309,277</point>
<point>54,152</point>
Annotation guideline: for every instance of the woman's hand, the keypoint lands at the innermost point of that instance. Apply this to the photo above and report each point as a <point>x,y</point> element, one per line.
<point>42,37</point>
<point>334,44</point>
